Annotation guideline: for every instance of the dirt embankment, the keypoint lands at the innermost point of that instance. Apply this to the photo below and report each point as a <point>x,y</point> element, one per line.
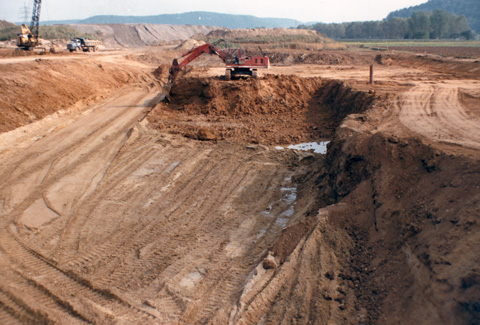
<point>36,89</point>
<point>412,212</point>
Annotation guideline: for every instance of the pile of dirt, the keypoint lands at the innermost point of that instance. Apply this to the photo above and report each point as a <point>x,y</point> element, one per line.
<point>448,68</point>
<point>270,110</point>
<point>46,86</point>
<point>464,52</point>
<point>189,44</point>
<point>288,57</point>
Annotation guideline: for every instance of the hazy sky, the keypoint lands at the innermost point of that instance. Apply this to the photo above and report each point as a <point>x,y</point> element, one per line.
<point>303,10</point>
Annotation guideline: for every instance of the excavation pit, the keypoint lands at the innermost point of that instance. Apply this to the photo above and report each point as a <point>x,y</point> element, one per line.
<point>273,110</point>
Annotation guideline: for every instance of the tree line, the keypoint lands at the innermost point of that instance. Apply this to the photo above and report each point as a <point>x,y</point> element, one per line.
<point>438,24</point>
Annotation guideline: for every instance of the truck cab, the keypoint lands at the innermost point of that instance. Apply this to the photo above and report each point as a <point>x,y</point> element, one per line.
<point>75,45</point>
<point>80,44</point>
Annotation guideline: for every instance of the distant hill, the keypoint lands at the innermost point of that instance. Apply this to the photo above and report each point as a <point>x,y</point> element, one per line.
<point>4,24</point>
<point>190,18</point>
<point>469,8</point>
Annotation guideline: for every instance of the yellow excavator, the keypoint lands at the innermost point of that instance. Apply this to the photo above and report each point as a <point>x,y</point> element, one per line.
<point>28,38</point>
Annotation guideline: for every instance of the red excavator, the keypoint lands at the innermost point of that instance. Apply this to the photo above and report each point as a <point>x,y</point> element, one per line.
<point>237,64</point>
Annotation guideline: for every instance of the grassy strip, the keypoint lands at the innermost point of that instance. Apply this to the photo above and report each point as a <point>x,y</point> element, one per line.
<point>423,43</point>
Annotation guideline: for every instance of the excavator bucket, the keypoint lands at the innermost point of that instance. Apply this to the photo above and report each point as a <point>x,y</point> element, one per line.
<point>166,91</point>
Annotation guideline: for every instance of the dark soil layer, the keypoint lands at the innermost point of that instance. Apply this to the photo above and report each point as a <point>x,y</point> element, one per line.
<point>414,218</point>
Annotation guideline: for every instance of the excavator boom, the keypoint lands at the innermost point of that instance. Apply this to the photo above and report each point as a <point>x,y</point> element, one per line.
<point>28,38</point>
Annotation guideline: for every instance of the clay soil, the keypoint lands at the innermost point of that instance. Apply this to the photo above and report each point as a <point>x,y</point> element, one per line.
<point>118,208</point>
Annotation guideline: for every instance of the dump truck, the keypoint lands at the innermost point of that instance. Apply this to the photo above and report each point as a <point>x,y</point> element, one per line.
<point>83,45</point>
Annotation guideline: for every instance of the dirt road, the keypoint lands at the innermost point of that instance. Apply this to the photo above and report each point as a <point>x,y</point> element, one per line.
<point>435,112</point>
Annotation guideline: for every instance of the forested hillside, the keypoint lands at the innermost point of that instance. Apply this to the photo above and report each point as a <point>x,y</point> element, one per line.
<point>421,25</point>
<point>469,8</point>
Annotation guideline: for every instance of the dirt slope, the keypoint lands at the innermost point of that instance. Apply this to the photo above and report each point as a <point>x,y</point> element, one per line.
<point>33,90</point>
<point>180,251</point>
<point>139,35</point>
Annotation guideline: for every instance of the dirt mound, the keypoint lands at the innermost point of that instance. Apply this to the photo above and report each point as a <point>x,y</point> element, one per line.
<point>269,110</point>
<point>47,86</point>
<point>189,44</point>
<point>139,35</point>
<point>316,57</point>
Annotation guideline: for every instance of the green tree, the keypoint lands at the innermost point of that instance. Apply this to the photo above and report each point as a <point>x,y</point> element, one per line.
<point>420,26</point>
<point>440,24</point>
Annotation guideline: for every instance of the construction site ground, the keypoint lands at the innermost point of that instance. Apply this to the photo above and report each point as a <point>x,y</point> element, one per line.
<point>118,208</point>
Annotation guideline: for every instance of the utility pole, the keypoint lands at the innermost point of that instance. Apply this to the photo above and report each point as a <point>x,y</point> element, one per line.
<point>24,13</point>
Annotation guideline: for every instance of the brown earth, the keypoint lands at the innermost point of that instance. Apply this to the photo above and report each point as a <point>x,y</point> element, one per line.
<point>457,51</point>
<point>113,211</point>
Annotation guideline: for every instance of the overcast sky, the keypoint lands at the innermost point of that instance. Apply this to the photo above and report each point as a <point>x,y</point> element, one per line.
<point>303,10</point>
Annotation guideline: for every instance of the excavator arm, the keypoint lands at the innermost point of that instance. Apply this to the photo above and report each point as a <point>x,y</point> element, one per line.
<point>190,56</point>
<point>187,58</point>
<point>234,60</point>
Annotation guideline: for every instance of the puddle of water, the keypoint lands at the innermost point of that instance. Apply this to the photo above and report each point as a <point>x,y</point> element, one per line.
<point>316,146</point>
<point>261,233</point>
<point>290,196</point>
<point>289,212</point>
<point>282,222</point>
<point>172,167</point>
<point>279,148</point>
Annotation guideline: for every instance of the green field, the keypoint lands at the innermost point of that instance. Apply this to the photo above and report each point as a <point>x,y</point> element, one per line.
<point>419,43</point>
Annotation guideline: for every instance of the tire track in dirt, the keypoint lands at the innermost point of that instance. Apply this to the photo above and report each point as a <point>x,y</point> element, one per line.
<point>60,286</point>
<point>189,207</point>
<point>91,135</point>
<point>435,111</point>
<point>71,144</point>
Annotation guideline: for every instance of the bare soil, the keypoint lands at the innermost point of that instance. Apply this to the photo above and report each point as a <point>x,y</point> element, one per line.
<point>457,51</point>
<point>115,208</point>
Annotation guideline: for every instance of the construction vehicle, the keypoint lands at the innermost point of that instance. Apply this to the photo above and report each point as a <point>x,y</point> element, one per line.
<point>28,38</point>
<point>81,44</point>
<point>237,64</point>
